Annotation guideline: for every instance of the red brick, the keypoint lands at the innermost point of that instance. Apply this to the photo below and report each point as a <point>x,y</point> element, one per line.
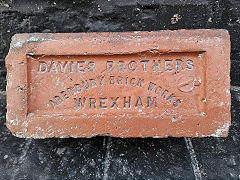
<point>138,84</point>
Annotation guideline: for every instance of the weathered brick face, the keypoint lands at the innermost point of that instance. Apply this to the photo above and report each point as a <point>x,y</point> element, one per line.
<point>119,158</point>
<point>170,83</point>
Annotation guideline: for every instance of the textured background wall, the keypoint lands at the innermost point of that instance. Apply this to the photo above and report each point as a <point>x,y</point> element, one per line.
<point>106,157</point>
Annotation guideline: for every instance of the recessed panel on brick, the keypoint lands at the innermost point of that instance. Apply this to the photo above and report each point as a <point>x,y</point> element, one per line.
<point>137,84</point>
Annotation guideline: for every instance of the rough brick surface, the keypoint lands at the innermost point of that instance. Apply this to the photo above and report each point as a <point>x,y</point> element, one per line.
<point>140,84</point>
<point>109,158</point>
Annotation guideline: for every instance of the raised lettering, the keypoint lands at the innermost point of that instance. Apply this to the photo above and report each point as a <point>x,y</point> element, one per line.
<point>78,88</point>
<point>71,91</point>
<point>102,103</point>
<point>101,80</point>
<point>189,64</point>
<point>79,103</point>
<point>132,82</point>
<point>111,79</point>
<point>127,102</point>
<point>140,81</point>
<point>72,67</point>
<point>92,101</point>
<point>119,80</point>
<point>170,98</point>
<point>80,68</point>
<point>58,99</point>
<point>121,66</point>
<point>176,103</point>
<point>139,102</point>
<point>179,63</point>
<point>165,93</point>
<point>53,67</point>
<point>167,65</point>
<point>110,66</point>
<point>91,67</point>
<point>53,103</point>
<point>63,93</point>
<point>132,66</point>
<point>114,102</point>
<point>85,84</point>
<point>158,89</point>
<point>63,67</point>
<point>93,83</point>
<point>150,101</point>
<point>41,69</point>
<point>156,65</point>
<point>144,65</point>
<point>151,86</point>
